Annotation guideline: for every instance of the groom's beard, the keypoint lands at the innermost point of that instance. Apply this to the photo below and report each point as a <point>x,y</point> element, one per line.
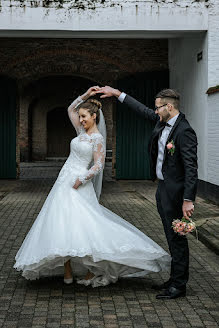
<point>165,116</point>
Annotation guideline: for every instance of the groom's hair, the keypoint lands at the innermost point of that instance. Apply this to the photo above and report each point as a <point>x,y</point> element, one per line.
<point>169,96</point>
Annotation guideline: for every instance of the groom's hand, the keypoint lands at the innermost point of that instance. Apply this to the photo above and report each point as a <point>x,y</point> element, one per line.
<point>109,92</point>
<point>187,208</point>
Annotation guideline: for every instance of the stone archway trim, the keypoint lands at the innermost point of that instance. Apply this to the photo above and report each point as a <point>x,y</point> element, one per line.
<point>68,52</point>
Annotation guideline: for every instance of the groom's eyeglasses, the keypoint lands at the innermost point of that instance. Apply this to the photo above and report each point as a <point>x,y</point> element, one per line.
<point>158,107</point>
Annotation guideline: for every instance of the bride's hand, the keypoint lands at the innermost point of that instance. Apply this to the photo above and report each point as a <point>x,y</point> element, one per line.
<point>108,91</point>
<point>90,92</point>
<point>77,184</point>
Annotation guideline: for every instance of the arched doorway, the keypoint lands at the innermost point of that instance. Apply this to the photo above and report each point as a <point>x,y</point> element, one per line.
<point>60,132</point>
<point>48,131</point>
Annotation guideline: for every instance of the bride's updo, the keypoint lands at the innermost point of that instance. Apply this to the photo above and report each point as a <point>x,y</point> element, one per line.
<point>93,106</point>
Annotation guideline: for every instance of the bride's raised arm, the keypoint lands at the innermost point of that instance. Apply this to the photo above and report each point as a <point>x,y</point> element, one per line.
<point>72,109</point>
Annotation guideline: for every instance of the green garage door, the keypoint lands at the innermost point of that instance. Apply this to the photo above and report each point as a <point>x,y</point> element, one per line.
<point>7,128</point>
<point>133,132</point>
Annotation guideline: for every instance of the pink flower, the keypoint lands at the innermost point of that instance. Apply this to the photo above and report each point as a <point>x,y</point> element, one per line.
<point>169,145</point>
<point>190,227</point>
<point>183,227</point>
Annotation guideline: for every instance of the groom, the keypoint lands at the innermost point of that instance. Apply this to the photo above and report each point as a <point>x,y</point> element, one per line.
<point>173,159</point>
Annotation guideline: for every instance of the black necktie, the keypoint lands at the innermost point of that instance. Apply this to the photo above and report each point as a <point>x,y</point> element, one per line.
<point>167,124</point>
<point>162,127</point>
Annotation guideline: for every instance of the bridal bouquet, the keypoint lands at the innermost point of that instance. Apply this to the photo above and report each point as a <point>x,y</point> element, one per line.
<point>183,226</point>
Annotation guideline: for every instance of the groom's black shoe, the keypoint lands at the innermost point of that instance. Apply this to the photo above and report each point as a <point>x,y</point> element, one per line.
<point>165,285</point>
<point>171,293</point>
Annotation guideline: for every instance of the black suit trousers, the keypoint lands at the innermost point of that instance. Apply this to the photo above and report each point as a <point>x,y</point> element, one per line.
<point>169,210</point>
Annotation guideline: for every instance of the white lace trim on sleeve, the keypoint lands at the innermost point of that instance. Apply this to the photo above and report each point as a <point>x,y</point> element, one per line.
<point>99,152</point>
<point>73,113</point>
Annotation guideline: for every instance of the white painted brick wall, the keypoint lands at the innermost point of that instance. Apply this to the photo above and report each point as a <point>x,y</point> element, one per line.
<point>189,77</point>
<point>104,15</point>
<point>213,43</point>
<point>80,4</point>
<point>213,139</point>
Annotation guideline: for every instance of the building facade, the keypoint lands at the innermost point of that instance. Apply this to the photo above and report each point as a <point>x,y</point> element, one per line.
<point>51,51</point>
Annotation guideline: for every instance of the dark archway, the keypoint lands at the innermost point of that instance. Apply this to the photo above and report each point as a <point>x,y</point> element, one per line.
<point>47,132</point>
<point>60,132</point>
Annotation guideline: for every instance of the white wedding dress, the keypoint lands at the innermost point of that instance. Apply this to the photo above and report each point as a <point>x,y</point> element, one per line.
<point>73,225</point>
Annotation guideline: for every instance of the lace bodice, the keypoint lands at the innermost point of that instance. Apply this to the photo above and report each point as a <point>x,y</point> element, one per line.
<point>87,150</point>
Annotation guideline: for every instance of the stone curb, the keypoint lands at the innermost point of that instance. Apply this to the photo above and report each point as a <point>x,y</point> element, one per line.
<point>208,239</point>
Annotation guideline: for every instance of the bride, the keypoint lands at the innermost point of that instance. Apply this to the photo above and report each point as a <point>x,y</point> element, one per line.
<point>73,234</point>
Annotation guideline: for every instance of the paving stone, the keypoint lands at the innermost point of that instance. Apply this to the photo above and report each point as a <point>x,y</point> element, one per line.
<point>129,302</point>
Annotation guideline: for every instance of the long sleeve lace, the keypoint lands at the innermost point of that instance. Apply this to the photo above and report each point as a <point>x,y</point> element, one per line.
<point>73,113</point>
<point>99,153</point>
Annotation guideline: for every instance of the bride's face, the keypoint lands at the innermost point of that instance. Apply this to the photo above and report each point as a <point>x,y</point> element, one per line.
<point>86,119</point>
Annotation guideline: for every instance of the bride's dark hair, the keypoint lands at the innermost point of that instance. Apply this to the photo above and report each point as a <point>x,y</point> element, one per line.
<point>93,106</point>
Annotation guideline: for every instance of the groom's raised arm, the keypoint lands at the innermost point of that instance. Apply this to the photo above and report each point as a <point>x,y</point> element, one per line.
<point>131,102</point>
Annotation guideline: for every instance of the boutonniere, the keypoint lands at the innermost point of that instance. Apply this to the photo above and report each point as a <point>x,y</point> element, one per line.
<point>171,147</point>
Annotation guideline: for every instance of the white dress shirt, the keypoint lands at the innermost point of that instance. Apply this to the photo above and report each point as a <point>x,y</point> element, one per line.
<point>161,146</point>
<point>122,97</point>
<point>161,142</point>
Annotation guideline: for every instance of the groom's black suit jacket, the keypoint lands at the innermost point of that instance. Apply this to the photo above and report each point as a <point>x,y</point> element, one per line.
<point>180,169</point>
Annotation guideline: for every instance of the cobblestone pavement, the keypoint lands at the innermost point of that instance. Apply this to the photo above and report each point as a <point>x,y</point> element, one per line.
<point>127,303</point>
<point>206,215</point>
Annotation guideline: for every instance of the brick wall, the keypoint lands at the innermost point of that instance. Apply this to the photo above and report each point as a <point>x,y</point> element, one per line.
<point>95,4</point>
<point>189,77</point>
<point>193,80</point>
<point>27,59</point>
<point>213,139</point>
<point>31,61</point>
<point>213,100</point>
<point>213,43</point>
